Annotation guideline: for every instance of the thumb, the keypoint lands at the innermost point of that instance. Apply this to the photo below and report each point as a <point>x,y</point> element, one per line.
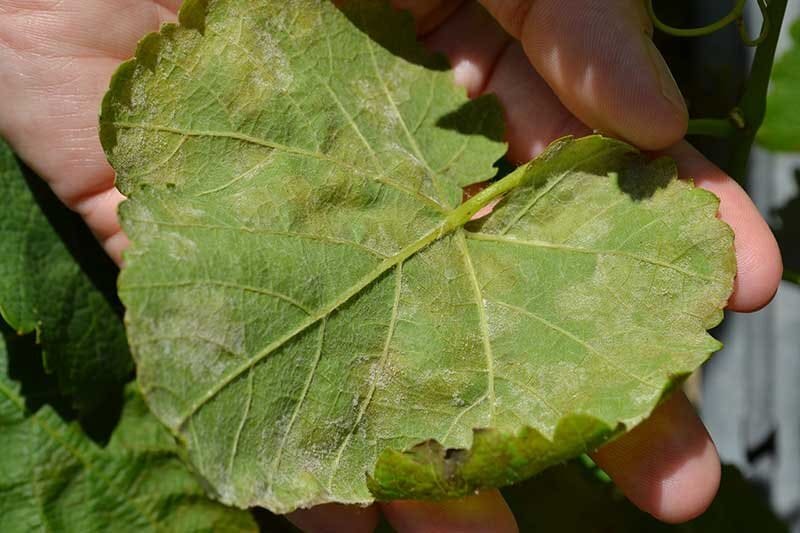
<point>598,57</point>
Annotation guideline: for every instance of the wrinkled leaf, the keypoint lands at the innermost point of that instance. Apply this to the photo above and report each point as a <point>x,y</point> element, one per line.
<point>304,302</point>
<point>781,127</point>
<point>44,290</point>
<point>53,478</point>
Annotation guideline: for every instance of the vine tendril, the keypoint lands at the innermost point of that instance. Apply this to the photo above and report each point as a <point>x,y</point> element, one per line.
<point>762,6</point>
<point>735,15</point>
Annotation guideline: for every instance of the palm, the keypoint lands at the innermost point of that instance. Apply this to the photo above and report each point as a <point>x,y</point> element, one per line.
<point>62,55</point>
<point>56,58</point>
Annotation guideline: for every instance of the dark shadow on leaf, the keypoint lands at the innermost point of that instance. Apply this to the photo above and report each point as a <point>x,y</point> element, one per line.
<point>481,116</point>
<point>25,366</point>
<point>641,181</point>
<point>392,30</point>
<point>193,14</point>
<point>78,239</point>
<point>39,388</point>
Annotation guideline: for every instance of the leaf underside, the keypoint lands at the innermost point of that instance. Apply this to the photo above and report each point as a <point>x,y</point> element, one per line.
<point>305,299</point>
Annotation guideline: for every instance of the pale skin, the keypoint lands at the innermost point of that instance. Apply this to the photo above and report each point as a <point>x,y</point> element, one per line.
<point>558,67</point>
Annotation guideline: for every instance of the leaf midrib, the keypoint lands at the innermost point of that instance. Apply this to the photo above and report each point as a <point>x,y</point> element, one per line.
<point>370,277</point>
<point>454,221</point>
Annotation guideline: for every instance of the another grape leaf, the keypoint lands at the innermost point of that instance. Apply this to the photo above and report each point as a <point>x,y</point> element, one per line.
<point>304,301</point>
<point>44,290</point>
<point>53,478</point>
<point>781,127</point>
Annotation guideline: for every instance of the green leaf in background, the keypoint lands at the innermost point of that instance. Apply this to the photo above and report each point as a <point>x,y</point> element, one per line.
<point>569,499</point>
<point>781,128</point>
<point>304,302</point>
<point>53,478</point>
<point>44,290</point>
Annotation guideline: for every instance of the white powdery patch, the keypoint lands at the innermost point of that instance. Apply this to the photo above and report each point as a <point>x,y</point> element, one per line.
<point>179,247</point>
<point>274,71</point>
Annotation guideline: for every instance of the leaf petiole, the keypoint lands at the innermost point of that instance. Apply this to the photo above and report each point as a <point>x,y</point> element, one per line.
<point>463,213</point>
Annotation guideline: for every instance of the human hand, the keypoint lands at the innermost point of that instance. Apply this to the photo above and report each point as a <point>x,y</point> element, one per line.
<point>56,60</point>
<point>593,66</point>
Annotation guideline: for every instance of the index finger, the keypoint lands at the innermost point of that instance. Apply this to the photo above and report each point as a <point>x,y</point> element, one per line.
<point>598,58</point>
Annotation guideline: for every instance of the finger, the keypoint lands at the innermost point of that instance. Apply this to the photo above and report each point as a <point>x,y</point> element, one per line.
<point>171,5</point>
<point>474,58</point>
<point>488,62</point>
<point>53,124</point>
<point>758,259</point>
<point>335,517</point>
<point>668,465</point>
<point>70,29</point>
<point>533,115</point>
<point>99,211</point>
<point>599,59</point>
<point>484,512</point>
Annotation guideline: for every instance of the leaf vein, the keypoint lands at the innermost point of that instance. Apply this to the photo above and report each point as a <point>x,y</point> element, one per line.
<point>262,231</point>
<point>224,284</point>
<point>237,438</point>
<point>355,289</point>
<point>374,381</point>
<point>487,345</point>
<point>352,123</point>
<point>411,140</point>
<point>525,210</point>
<point>258,166</point>
<point>303,394</point>
<point>588,347</point>
<point>547,191</point>
<point>237,136</point>
<point>590,251</point>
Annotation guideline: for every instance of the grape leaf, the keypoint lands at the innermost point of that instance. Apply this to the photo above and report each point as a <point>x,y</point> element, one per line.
<point>44,290</point>
<point>304,301</point>
<point>53,478</point>
<point>781,128</point>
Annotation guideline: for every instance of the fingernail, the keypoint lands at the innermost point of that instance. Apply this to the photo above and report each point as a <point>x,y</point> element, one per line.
<point>669,87</point>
